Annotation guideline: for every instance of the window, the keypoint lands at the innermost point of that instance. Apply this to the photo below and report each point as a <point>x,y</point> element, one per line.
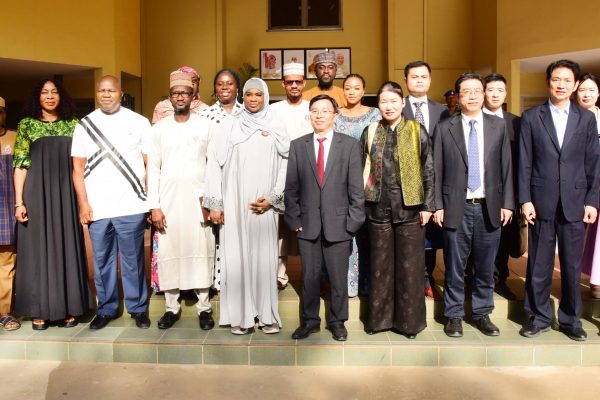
<point>305,14</point>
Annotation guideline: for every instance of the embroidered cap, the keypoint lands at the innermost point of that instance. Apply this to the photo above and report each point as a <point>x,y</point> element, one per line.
<point>326,57</point>
<point>179,78</point>
<point>293,69</point>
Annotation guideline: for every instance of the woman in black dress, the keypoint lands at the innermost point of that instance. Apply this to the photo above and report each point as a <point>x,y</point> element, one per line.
<point>51,282</point>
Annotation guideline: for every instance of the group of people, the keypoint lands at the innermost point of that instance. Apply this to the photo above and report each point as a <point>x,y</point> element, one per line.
<point>234,189</point>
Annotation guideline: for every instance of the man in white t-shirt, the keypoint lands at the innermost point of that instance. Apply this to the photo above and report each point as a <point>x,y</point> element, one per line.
<point>294,113</point>
<point>109,177</point>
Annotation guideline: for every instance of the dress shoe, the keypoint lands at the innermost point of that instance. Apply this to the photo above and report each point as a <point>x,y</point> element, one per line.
<point>141,320</point>
<point>168,319</point>
<point>486,326</point>
<point>304,331</point>
<point>595,291</point>
<point>206,320</point>
<point>100,321</point>
<point>577,334</point>
<point>531,330</point>
<point>39,324</point>
<point>504,290</point>
<point>69,322</point>
<point>453,328</point>
<point>270,329</point>
<point>339,332</point>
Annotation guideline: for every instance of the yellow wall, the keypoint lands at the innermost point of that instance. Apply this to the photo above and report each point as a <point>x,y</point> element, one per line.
<point>440,32</point>
<point>541,27</point>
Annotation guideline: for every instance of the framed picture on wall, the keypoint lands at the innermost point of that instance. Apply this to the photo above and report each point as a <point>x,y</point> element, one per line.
<point>293,56</point>
<point>342,59</point>
<point>270,64</point>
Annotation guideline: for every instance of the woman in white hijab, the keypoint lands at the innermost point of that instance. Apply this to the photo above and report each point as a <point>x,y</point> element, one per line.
<point>245,181</point>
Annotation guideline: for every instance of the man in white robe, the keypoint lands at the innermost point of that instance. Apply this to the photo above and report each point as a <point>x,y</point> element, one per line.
<point>294,113</point>
<point>176,166</point>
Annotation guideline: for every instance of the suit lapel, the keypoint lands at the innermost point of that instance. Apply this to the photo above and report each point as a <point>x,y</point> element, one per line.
<point>548,123</point>
<point>432,115</point>
<point>489,126</point>
<point>310,150</point>
<point>332,157</point>
<point>456,131</point>
<point>407,111</point>
<point>572,122</point>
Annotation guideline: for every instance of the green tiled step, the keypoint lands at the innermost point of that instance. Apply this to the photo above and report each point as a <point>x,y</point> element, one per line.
<point>289,305</point>
<point>121,341</point>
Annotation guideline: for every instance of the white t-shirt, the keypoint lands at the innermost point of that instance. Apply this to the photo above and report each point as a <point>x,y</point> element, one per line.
<point>115,173</point>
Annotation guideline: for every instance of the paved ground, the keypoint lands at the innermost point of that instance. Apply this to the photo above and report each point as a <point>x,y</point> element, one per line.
<point>90,381</point>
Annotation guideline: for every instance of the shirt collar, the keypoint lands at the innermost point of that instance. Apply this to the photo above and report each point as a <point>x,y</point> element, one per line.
<point>412,99</point>
<point>328,136</point>
<point>557,110</point>
<point>478,119</point>
<point>498,113</point>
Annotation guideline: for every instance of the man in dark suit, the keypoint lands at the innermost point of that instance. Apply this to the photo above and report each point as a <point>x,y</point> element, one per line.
<point>558,189</point>
<point>473,199</point>
<point>417,75</point>
<point>324,204</point>
<point>495,95</point>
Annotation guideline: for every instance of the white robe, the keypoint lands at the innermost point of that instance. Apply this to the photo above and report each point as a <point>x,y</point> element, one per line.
<point>176,170</point>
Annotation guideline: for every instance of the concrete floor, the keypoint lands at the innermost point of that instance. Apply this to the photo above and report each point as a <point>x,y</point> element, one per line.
<point>90,381</point>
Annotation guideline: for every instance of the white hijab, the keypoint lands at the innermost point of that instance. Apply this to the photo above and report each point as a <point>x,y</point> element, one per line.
<point>239,128</point>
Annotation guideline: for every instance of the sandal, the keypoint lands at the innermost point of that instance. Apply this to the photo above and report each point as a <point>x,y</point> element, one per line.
<point>9,323</point>
<point>39,324</point>
<point>68,322</point>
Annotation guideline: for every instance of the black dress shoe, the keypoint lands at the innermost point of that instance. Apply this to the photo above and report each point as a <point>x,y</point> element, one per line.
<point>70,322</point>
<point>339,332</point>
<point>577,334</point>
<point>168,319</point>
<point>206,320</point>
<point>453,328</point>
<point>504,290</point>
<point>303,331</point>
<point>39,327</point>
<point>100,321</point>
<point>531,330</point>
<point>486,326</point>
<point>141,320</point>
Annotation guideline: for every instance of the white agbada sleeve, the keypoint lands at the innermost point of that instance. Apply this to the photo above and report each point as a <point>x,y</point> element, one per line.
<point>154,164</point>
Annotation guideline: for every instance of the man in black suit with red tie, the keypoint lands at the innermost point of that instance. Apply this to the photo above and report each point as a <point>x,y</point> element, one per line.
<point>324,204</point>
<point>559,159</point>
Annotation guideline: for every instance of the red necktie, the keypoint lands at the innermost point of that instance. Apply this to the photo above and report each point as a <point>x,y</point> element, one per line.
<point>321,160</point>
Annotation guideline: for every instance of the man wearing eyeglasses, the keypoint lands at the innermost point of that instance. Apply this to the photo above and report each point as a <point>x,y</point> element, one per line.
<point>293,112</point>
<point>324,204</point>
<point>164,108</point>
<point>109,177</point>
<point>326,69</point>
<point>473,199</point>
<point>176,165</point>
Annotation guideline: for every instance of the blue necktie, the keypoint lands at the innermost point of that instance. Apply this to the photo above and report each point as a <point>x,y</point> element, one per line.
<point>474,180</point>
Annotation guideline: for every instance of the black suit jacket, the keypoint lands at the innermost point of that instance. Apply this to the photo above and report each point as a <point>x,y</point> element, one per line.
<point>549,174</point>
<point>337,207</point>
<point>451,169</point>
<point>435,113</point>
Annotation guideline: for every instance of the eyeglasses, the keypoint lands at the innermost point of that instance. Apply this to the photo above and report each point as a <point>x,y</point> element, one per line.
<point>325,113</point>
<point>466,92</point>
<point>185,95</point>
<point>291,82</point>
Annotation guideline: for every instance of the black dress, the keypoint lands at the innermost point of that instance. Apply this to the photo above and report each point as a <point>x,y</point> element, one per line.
<point>52,279</point>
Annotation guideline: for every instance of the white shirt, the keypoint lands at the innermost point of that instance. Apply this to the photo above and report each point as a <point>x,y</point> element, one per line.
<point>424,109</point>
<point>296,118</point>
<point>497,113</point>
<point>560,118</point>
<point>115,173</point>
<point>326,146</point>
<point>480,192</point>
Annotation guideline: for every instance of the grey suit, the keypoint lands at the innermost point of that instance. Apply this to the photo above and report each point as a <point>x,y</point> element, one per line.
<point>471,227</point>
<point>329,214</point>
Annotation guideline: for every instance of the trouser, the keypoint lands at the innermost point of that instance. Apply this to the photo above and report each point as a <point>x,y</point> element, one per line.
<point>473,235</point>
<point>540,266</point>
<point>125,236</point>
<point>7,274</point>
<point>172,300</point>
<point>334,256</point>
